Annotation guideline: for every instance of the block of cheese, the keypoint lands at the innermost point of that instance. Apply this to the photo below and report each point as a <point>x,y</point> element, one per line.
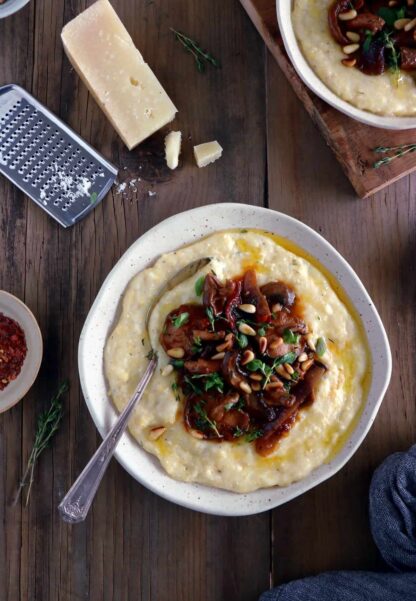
<point>105,57</point>
<point>173,148</point>
<point>207,153</point>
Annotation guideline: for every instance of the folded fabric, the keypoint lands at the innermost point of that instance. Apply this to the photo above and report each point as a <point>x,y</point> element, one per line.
<point>393,525</point>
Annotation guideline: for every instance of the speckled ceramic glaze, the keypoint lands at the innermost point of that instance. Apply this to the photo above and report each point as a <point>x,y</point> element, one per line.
<point>15,309</point>
<point>170,234</point>
<point>309,78</point>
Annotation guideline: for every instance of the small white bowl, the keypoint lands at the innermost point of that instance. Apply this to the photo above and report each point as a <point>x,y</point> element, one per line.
<point>172,233</point>
<point>314,83</point>
<point>14,308</point>
<point>11,6</point>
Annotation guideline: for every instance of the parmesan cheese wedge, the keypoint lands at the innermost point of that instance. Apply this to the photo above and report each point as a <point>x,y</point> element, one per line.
<point>105,57</point>
<point>207,153</point>
<point>173,148</point>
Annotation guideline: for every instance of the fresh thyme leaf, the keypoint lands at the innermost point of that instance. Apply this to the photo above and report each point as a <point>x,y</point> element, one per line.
<point>390,15</point>
<point>257,365</point>
<point>197,345</point>
<point>180,320</point>
<point>210,381</point>
<point>47,426</point>
<point>242,340</point>
<point>238,432</point>
<point>93,197</point>
<point>205,421</point>
<point>398,151</point>
<point>177,363</point>
<point>199,285</point>
<point>287,386</point>
<point>176,391</point>
<point>367,41</point>
<point>290,337</point>
<point>288,358</point>
<point>320,347</point>
<point>211,317</point>
<point>295,375</point>
<point>261,331</point>
<point>202,57</point>
<point>253,435</point>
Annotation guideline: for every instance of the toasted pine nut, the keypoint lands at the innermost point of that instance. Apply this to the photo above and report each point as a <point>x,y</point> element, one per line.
<point>401,23</point>
<point>262,344</point>
<point>310,342</point>
<point>274,385</point>
<point>223,347</point>
<point>410,25</point>
<point>349,15</point>
<point>350,48</point>
<point>349,62</point>
<point>353,36</point>
<point>306,365</point>
<point>410,2</point>
<point>218,356</point>
<point>229,337</point>
<point>289,368</point>
<point>157,432</point>
<point>244,328</point>
<point>303,357</point>
<point>247,308</point>
<point>256,386</point>
<point>392,3</point>
<point>176,353</point>
<point>256,377</point>
<point>276,343</point>
<point>245,387</point>
<point>276,308</point>
<point>282,372</point>
<point>168,369</point>
<point>248,356</point>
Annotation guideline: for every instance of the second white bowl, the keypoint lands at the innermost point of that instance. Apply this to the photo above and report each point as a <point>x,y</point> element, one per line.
<point>310,79</point>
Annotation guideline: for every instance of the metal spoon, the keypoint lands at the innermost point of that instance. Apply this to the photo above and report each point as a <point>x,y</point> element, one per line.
<point>75,505</point>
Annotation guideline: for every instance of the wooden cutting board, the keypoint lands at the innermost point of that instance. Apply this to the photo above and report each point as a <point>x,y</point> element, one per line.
<point>351,141</point>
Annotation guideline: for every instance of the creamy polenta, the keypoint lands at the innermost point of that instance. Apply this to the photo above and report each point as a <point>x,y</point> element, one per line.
<point>390,93</point>
<point>319,430</point>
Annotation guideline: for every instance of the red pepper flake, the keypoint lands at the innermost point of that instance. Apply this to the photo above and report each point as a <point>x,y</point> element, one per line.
<point>13,350</point>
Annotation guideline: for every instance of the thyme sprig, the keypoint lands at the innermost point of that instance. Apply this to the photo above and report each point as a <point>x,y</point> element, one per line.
<point>47,426</point>
<point>398,151</point>
<point>202,57</point>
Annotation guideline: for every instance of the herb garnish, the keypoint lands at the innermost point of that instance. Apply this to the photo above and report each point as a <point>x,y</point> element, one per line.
<point>242,340</point>
<point>177,363</point>
<point>202,57</point>
<point>199,285</point>
<point>203,420</point>
<point>180,320</point>
<point>151,354</point>
<point>267,370</point>
<point>197,345</point>
<point>290,337</point>
<point>211,317</point>
<point>253,435</point>
<point>47,425</point>
<point>213,380</point>
<point>398,151</point>
<point>238,432</point>
<point>320,347</point>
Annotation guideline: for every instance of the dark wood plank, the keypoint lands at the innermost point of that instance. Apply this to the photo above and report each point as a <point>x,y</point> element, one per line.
<point>133,545</point>
<point>327,528</point>
<point>352,142</point>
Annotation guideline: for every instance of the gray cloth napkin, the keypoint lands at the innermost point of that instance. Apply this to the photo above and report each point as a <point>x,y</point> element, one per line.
<point>393,526</point>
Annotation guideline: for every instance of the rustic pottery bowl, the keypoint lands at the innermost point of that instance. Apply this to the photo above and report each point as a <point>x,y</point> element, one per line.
<point>14,308</point>
<point>172,233</point>
<point>314,83</point>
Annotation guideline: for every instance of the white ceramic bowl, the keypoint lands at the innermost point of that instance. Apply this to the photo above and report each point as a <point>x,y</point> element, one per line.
<point>172,233</point>
<point>11,6</point>
<point>14,308</point>
<point>314,83</point>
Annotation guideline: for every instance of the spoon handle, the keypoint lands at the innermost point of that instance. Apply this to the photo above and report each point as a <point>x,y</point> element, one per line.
<point>75,505</point>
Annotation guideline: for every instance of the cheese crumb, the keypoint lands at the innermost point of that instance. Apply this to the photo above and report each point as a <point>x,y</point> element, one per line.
<point>173,148</point>
<point>207,153</point>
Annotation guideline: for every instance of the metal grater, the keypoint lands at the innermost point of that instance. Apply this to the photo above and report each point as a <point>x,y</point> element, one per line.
<point>48,161</point>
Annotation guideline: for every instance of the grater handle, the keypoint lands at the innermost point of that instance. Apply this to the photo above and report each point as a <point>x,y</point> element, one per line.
<point>75,505</point>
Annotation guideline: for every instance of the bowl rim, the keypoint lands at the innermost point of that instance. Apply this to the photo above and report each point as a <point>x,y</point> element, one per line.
<point>11,7</point>
<point>37,363</point>
<point>191,495</point>
<point>318,87</point>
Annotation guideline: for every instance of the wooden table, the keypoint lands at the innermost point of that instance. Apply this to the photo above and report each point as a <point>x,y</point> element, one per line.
<point>135,545</point>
